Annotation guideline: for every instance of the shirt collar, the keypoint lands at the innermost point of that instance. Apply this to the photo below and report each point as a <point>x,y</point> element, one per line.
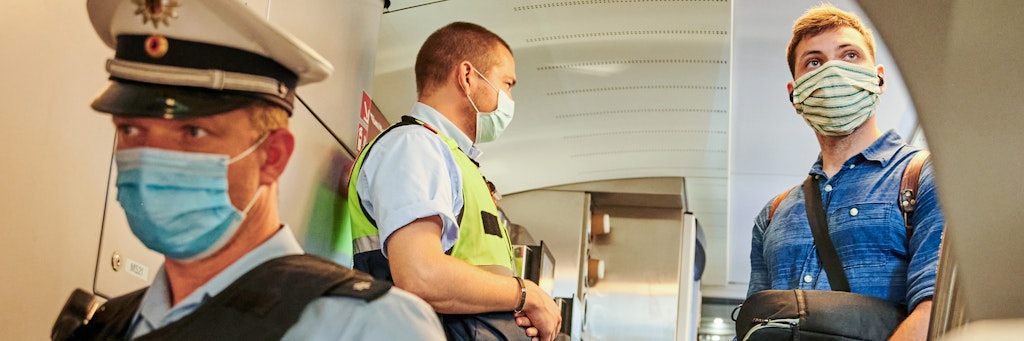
<point>883,151</point>
<point>156,310</point>
<point>434,118</point>
<point>884,148</point>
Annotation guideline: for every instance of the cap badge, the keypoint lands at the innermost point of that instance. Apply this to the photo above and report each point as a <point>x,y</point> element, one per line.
<point>156,46</point>
<point>156,11</point>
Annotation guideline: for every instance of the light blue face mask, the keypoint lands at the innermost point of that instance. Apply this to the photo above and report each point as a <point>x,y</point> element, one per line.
<point>490,125</point>
<point>176,202</point>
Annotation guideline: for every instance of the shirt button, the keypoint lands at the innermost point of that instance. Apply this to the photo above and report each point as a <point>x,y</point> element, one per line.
<point>828,188</point>
<point>808,278</point>
<point>851,166</point>
<point>853,212</point>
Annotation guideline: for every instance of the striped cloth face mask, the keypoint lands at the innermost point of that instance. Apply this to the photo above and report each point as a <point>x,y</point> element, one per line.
<point>837,97</point>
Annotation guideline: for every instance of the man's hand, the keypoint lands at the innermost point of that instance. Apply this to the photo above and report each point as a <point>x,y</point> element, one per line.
<point>541,316</point>
<point>524,322</point>
<point>915,327</point>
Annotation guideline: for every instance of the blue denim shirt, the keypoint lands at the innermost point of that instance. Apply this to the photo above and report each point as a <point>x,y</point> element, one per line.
<point>866,226</point>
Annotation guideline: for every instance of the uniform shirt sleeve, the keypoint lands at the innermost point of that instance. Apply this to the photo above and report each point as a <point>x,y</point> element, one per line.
<point>924,241</point>
<point>411,174</point>
<point>760,277</point>
<point>398,315</point>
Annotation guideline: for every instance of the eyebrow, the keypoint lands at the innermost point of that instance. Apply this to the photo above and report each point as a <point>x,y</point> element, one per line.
<point>840,47</point>
<point>806,53</point>
<point>800,61</point>
<point>843,46</point>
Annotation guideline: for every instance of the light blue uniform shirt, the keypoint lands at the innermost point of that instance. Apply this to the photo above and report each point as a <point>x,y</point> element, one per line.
<point>411,173</point>
<point>398,315</point>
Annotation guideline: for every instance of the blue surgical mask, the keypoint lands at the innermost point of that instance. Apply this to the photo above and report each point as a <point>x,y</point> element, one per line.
<point>176,202</point>
<point>490,125</point>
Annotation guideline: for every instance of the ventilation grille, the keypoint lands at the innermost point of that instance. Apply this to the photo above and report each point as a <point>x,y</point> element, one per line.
<point>637,87</point>
<point>599,2</point>
<point>639,111</point>
<point>632,61</point>
<point>617,170</point>
<point>647,132</point>
<point>650,150</point>
<point>625,34</point>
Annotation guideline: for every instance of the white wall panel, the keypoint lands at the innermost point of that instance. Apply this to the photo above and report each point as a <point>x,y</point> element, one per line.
<point>55,154</point>
<point>345,33</point>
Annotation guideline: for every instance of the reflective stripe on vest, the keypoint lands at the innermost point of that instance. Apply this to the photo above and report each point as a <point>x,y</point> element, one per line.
<point>366,243</point>
<point>483,238</point>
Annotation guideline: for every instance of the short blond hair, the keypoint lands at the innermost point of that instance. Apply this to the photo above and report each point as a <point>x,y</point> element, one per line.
<point>266,117</point>
<point>823,18</point>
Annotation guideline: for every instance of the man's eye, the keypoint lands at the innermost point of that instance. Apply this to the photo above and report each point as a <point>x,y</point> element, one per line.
<point>851,55</point>
<point>814,63</point>
<point>127,130</point>
<point>195,132</point>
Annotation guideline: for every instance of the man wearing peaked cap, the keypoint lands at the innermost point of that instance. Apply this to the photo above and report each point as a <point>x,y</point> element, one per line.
<point>200,92</point>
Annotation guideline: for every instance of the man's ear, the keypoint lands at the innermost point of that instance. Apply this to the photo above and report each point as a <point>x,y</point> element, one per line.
<point>278,148</point>
<point>462,75</point>
<point>789,90</point>
<point>881,78</point>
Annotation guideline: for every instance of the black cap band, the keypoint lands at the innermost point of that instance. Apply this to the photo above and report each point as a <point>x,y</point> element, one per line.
<point>196,55</point>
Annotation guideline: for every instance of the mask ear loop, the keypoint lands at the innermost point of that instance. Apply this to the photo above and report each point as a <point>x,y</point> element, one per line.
<point>252,202</point>
<point>473,104</point>
<point>486,80</point>
<point>230,233</point>
<point>249,150</point>
<point>243,155</point>
<point>477,110</point>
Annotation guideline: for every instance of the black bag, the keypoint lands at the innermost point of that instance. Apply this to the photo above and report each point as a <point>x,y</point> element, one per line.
<point>820,314</point>
<point>816,315</point>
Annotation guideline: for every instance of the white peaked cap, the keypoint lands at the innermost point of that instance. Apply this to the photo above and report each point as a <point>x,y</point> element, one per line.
<point>190,58</point>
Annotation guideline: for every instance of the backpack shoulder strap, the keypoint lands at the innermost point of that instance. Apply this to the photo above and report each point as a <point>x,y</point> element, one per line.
<point>909,187</point>
<point>265,302</point>
<point>777,202</point>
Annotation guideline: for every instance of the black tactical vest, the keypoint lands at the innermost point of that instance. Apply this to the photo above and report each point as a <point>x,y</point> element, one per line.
<point>261,305</point>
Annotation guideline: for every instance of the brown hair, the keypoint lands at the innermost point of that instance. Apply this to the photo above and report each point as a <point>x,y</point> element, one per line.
<point>451,45</point>
<point>823,18</point>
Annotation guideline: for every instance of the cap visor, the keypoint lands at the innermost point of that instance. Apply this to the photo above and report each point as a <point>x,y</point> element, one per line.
<point>134,99</point>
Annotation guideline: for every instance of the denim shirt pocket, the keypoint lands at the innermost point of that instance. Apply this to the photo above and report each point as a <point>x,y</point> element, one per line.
<point>863,234</point>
